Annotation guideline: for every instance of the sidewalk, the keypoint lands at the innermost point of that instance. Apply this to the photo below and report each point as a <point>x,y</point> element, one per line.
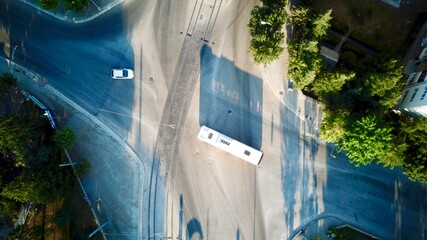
<point>104,182</point>
<point>95,9</point>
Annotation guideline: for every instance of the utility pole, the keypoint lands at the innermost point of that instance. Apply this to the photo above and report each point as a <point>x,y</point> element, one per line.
<point>68,164</point>
<point>98,7</point>
<point>12,56</point>
<point>13,51</point>
<point>99,228</point>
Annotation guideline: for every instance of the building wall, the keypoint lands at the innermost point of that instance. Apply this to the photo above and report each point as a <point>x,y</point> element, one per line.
<point>414,95</point>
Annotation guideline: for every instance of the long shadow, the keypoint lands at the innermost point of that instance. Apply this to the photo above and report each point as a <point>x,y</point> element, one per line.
<point>230,99</point>
<point>375,199</point>
<point>155,215</point>
<point>299,149</point>
<point>76,60</point>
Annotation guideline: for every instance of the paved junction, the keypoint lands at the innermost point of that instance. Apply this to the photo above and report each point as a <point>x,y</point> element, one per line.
<point>155,179</point>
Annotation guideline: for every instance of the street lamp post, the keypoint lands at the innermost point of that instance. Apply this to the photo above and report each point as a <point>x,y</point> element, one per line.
<point>13,52</point>
<point>68,164</point>
<point>98,229</point>
<point>98,7</point>
<point>13,56</point>
<point>265,23</point>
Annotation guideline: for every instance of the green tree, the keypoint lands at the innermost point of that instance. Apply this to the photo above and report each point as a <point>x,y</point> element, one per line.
<point>18,134</point>
<point>77,5</point>
<point>395,156</point>
<point>321,23</point>
<point>49,4</point>
<point>39,185</point>
<point>349,60</point>
<point>316,237</point>
<point>23,189</point>
<point>9,209</point>
<point>386,85</point>
<point>7,81</point>
<point>330,82</point>
<point>266,39</point>
<point>83,167</point>
<point>413,133</point>
<point>305,62</point>
<point>415,168</point>
<point>265,49</point>
<point>333,125</point>
<point>300,16</point>
<point>365,140</point>
<point>64,138</point>
<point>309,25</point>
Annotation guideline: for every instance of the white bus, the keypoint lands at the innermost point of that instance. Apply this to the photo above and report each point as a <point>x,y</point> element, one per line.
<point>230,145</point>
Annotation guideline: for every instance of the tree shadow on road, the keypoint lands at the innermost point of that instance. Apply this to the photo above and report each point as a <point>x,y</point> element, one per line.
<point>319,182</point>
<point>299,150</point>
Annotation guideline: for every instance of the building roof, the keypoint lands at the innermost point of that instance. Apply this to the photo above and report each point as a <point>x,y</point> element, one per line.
<point>331,56</point>
<point>416,48</point>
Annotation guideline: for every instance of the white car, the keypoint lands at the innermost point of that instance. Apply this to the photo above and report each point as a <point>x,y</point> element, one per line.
<point>123,73</point>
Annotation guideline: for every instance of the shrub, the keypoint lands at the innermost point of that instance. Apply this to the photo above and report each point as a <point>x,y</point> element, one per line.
<point>49,4</point>
<point>64,138</point>
<point>77,5</point>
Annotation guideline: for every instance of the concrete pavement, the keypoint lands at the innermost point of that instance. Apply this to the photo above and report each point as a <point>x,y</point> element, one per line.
<point>120,203</point>
<point>95,9</point>
<point>213,194</point>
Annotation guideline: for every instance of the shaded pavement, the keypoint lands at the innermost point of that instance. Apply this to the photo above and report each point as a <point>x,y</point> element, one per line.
<point>95,9</point>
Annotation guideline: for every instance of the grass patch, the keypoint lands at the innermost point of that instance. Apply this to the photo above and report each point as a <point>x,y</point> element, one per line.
<point>351,234</point>
<point>373,22</point>
<point>81,223</point>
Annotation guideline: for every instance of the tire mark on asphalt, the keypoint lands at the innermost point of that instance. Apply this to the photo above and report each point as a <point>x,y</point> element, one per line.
<point>178,101</point>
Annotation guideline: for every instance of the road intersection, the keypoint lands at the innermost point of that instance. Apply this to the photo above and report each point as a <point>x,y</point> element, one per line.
<point>191,69</point>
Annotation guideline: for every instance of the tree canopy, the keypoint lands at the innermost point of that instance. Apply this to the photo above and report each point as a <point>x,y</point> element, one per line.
<point>64,138</point>
<point>357,97</point>
<point>365,140</point>
<point>49,4</point>
<point>321,24</point>
<point>333,123</point>
<point>39,185</point>
<point>19,135</point>
<point>29,159</point>
<point>265,27</point>
<point>77,5</point>
<point>7,81</point>
<point>305,62</point>
<point>328,83</point>
<point>413,134</point>
<point>73,5</point>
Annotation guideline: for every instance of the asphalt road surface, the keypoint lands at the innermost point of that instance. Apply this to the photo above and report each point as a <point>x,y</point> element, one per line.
<point>192,190</point>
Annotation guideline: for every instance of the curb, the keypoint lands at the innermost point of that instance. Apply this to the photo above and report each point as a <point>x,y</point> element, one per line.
<point>41,87</point>
<point>299,231</point>
<point>73,19</point>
